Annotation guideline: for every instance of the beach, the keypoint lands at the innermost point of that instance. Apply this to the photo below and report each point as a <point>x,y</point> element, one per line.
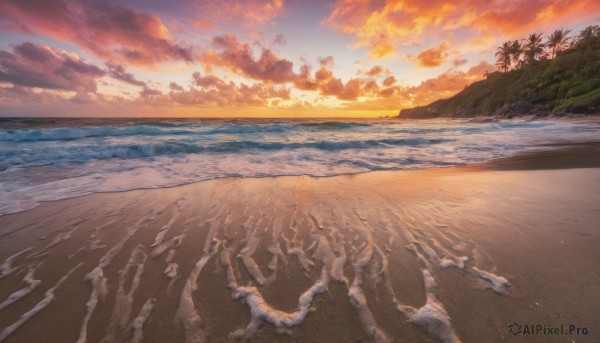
<point>450,254</point>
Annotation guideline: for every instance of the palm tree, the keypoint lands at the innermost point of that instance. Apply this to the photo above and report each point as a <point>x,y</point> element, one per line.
<point>533,47</point>
<point>516,50</point>
<point>586,36</point>
<point>557,41</point>
<point>585,42</point>
<point>503,53</point>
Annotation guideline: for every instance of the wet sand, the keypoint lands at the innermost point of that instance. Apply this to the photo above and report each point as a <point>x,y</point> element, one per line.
<point>454,254</point>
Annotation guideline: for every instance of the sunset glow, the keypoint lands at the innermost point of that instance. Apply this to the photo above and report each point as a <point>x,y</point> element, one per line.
<point>271,58</point>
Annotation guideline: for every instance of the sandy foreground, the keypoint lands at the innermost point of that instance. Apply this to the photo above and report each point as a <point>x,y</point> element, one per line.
<point>457,254</point>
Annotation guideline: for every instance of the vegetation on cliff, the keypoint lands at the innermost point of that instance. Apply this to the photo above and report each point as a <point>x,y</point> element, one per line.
<point>551,76</point>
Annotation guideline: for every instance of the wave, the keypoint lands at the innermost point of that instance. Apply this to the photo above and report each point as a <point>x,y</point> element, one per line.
<point>327,145</point>
<point>333,125</point>
<point>148,128</point>
<point>242,129</point>
<point>163,128</point>
<point>62,134</point>
<point>66,154</point>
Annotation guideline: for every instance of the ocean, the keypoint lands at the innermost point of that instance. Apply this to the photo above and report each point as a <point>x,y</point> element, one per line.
<point>44,159</point>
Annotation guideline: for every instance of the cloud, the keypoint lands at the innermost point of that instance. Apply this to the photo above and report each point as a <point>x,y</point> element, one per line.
<point>248,12</point>
<point>394,97</point>
<point>207,81</point>
<point>382,25</point>
<point>304,80</point>
<point>447,84</point>
<point>459,62</point>
<point>324,81</point>
<point>351,90</point>
<point>118,72</point>
<point>236,56</point>
<point>110,31</point>
<point>19,95</point>
<point>433,56</point>
<point>389,81</point>
<point>376,71</point>
<point>201,24</point>
<point>148,92</point>
<point>41,66</point>
<point>175,87</point>
<point>211,91</point>
<point>326,61</point>
<point>279,39</point>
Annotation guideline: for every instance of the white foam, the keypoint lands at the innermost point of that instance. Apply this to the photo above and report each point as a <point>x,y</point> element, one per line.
<point>6,267</point>
<point>497,283</point>
<point>138,323</point>
<point>261,311</point>
<point>29,284</point>
<point>171,270</point>
<point>186,312</point>
<point>278,255</point>
<point>292,249</point>
<point>124,300</point>
<point>357,297</point>
<point>432,315</point>
<point>48,297</point>
<point>99,291</point>
<point>253,269</point>
<point>434,318</point>
<point>164,230</point>
<point>170,256</point>
<point>447,262</point>
<point>62,236</point>
<point>107,258</point>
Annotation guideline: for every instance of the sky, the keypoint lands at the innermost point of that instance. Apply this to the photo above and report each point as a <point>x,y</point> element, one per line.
<point>256,58</point>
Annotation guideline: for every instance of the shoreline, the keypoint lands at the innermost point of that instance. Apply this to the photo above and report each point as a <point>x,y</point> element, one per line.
<point>376,256</point>
<point>546,156</point>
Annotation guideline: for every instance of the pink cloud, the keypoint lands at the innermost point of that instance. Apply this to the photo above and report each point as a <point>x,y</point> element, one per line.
<point>211,91</point>
<point>118,72</point>
<point>249,12</point>
<point>236,56</point>
<point>110,31</point>
<point>41,66</point>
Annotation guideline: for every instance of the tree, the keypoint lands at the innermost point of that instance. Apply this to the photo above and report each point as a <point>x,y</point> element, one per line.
<point>588,38</point>
<point>534,47</point>
<point>516,51</point>
<point>557,41</point>
<point>503,54</point>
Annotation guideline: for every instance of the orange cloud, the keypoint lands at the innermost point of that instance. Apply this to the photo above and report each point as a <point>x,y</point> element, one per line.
<point>388,81</point>
<point>391,97</point>
<point>328,84</point>
<point>375,71</point>
<point>326,61</point>
<point>447,84</point>
<point>110,31</point>
<point>211,91</point>
<point>433,56</point>
<point>381,25</point>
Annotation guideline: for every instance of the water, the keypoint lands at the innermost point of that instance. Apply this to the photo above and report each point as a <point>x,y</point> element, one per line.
<point>50,159</point>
